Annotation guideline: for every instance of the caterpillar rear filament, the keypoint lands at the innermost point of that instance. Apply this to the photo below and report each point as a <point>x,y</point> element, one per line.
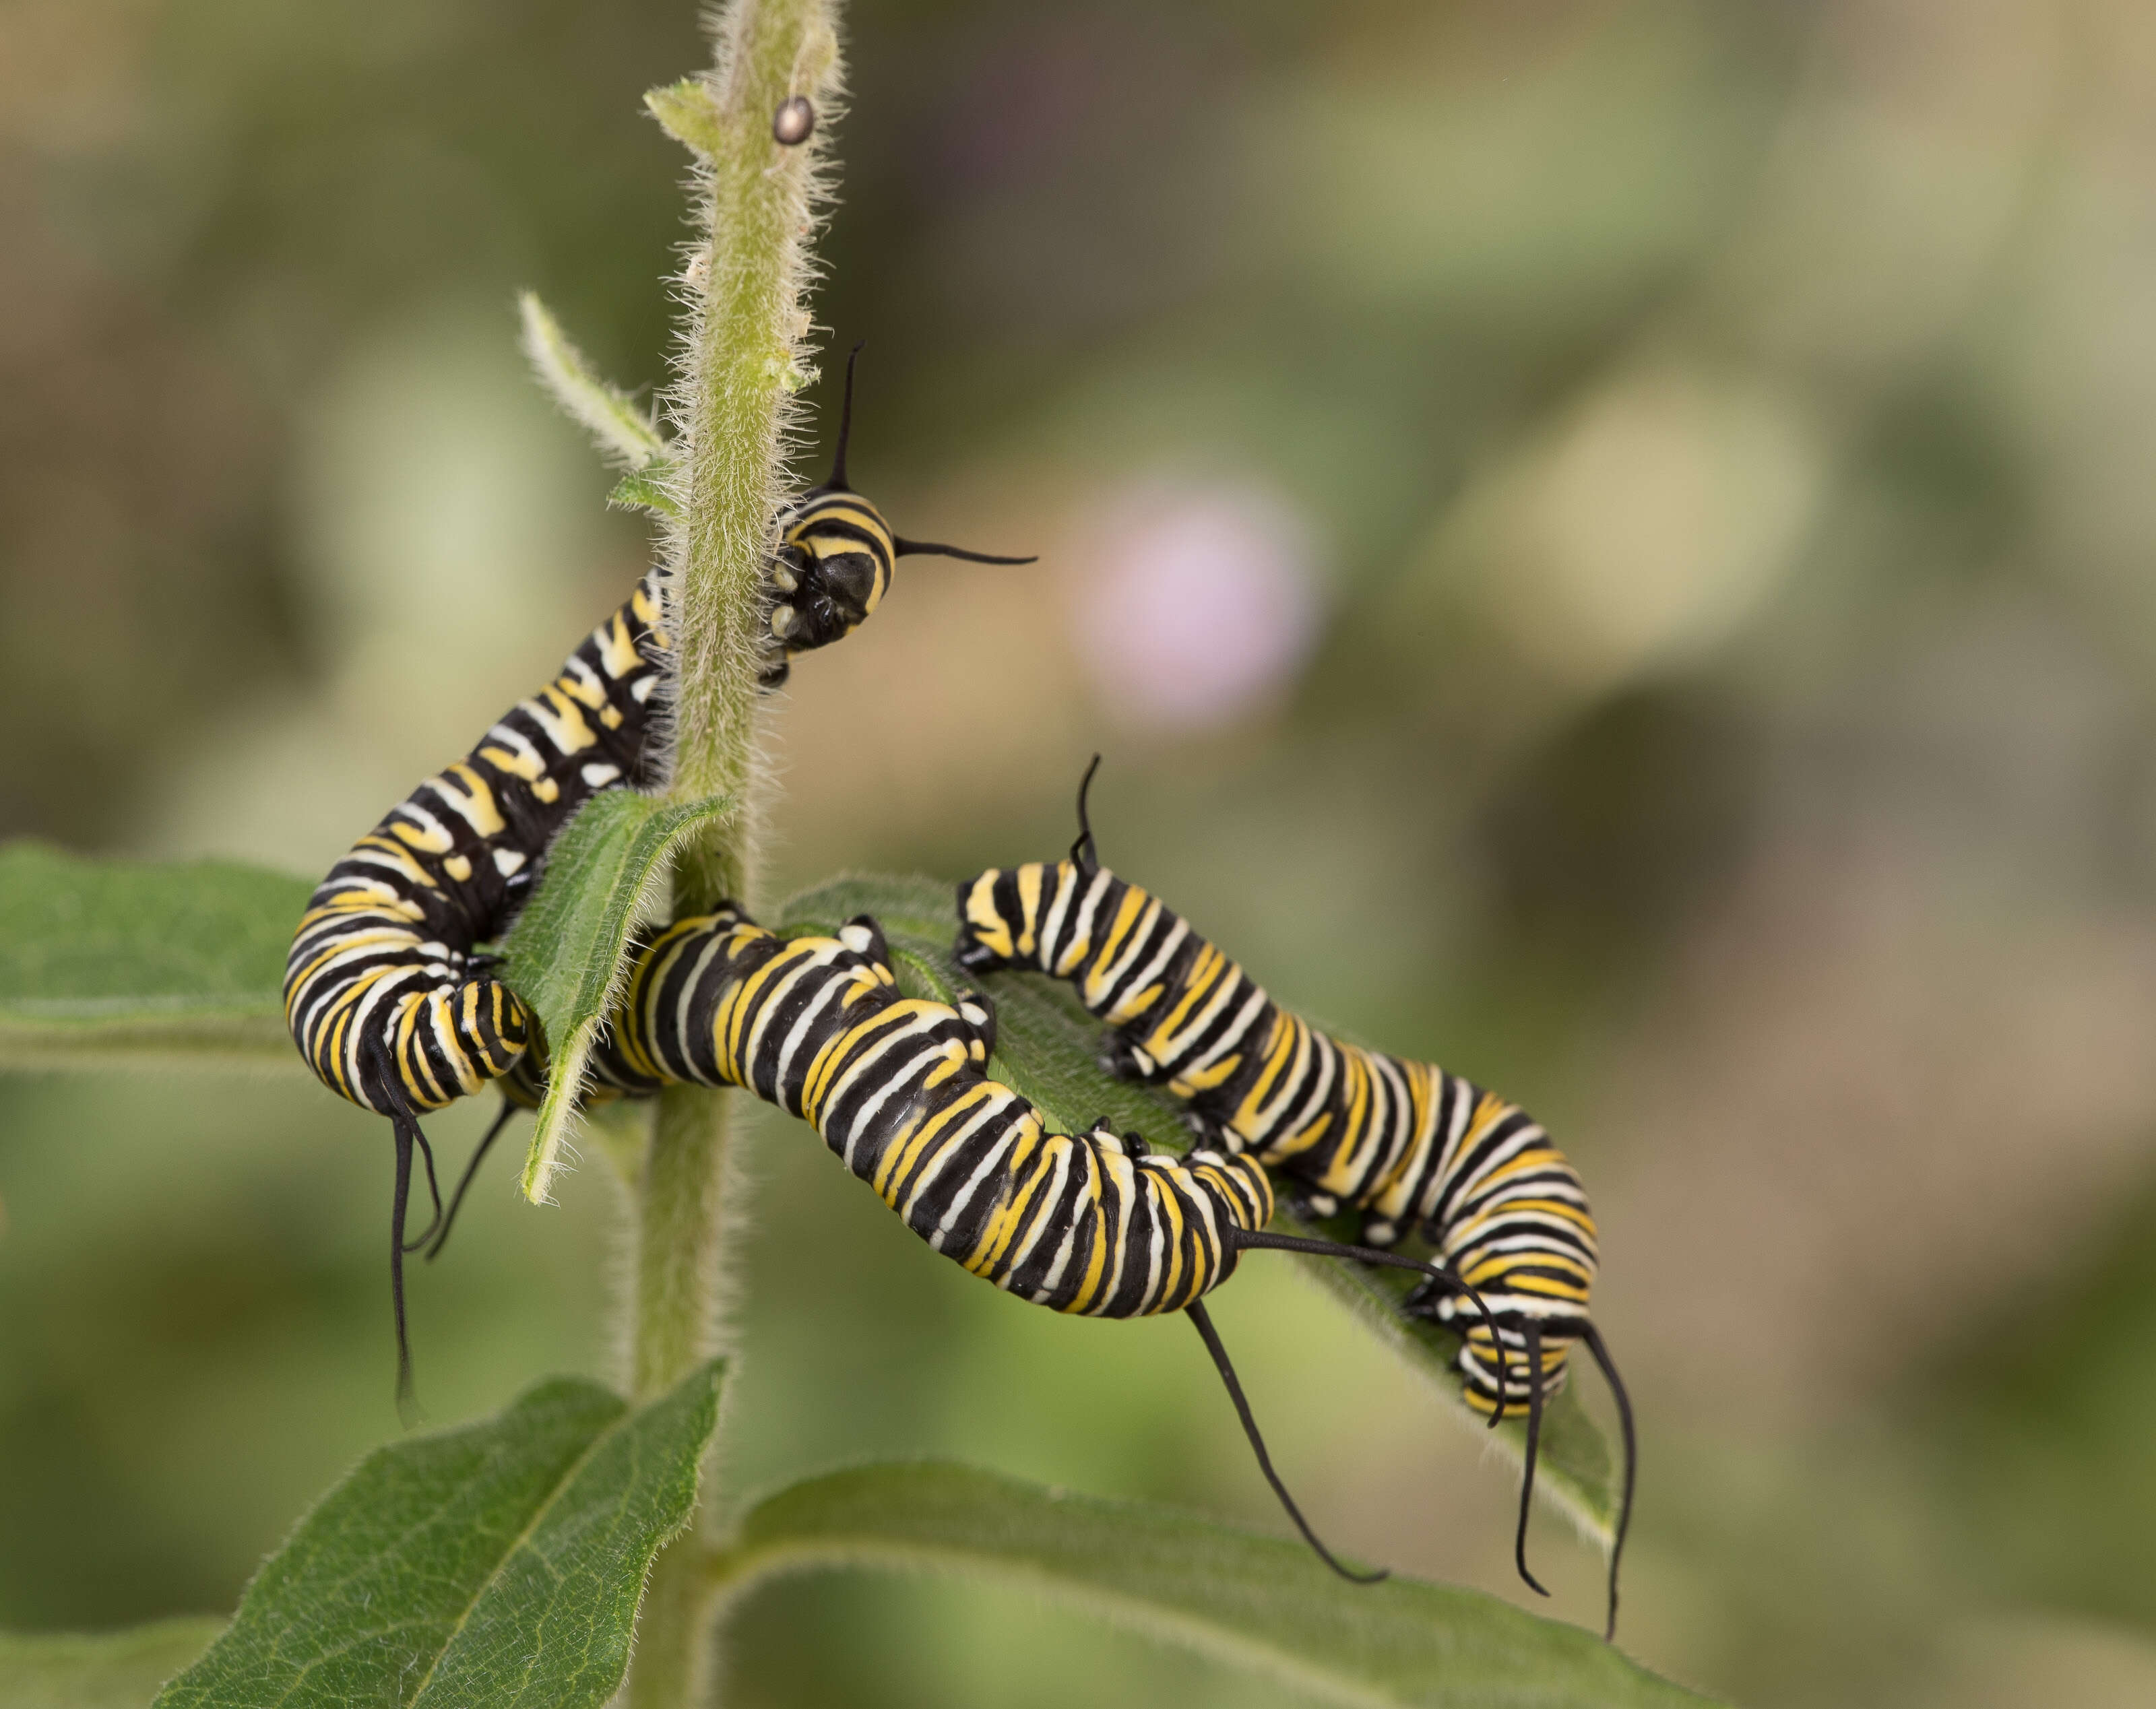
<point>1416,1149</point>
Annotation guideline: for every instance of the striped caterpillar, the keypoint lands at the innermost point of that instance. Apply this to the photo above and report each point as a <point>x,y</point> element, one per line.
<point>1089,1223</point>
<point>383,992</point>
<point>1418,1151</point>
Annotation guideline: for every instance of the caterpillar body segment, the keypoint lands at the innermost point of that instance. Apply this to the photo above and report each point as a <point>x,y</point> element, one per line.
<point>382,959</point>
<point>1088,1224</point>
<point>383,995</point>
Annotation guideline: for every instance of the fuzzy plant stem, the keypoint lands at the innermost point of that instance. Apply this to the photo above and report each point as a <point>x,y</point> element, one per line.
<point>738,368</point>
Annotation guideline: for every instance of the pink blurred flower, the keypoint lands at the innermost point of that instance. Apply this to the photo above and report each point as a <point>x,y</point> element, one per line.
<point>1201,602</point>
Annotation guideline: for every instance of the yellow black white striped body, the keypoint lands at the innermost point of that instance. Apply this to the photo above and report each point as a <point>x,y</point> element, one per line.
<point>1086,1223</point>
<point>1416,1149</point>
<point>380,990</point>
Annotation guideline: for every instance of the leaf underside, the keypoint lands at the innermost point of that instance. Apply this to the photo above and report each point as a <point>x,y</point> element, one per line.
<point>499,1563</point>
<point>1047,1049</point>
<point>1258,1602</point>
<point>106,962</point>
<point>564,955</point>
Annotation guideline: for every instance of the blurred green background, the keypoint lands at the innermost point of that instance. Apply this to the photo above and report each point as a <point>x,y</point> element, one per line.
<point>1606,544</point>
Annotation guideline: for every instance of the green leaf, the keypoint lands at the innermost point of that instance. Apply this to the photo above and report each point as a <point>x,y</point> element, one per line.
<point>500,1564</point>
<point>564,956</point>
<point>1041,1052</point>
<point>621,428</point>
<point>1048,1047</point>
<point>98,1670</point>
<point>119,961</point>
<point>646,489</point>
<point>1263,1603</point>
<point>686,112</point>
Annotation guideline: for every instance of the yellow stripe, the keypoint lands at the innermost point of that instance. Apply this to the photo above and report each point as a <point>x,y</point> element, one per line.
<point>1126,914</point>
<point>1096,1258</point>
<point>989,925</point>
<point>1029,903</point>
<point>1205,973</point>
<point>898,1165</point>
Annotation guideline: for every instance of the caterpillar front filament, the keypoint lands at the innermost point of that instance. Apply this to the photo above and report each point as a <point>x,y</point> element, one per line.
<point>835,559</point>
<point>1416,1149</point>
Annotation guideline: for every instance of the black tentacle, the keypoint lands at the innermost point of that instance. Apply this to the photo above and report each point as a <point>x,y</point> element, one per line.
<point>837,483</point>
<point>1198,1315</point>
<point>1530,1333</point>
<point>464,1182</point>
<point>1594,1345</point>
<point>931,548</point>
<point>1085,855</point>
<point>405,1129</point>
<point>401,1111</point>
<point>1378,1255</point>
<point>433,1189</point>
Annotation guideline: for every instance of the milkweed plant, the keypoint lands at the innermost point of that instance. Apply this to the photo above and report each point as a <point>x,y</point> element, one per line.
<point>557,1554</point>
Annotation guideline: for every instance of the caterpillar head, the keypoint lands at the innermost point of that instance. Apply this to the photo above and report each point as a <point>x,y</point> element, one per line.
<point>836,552</point>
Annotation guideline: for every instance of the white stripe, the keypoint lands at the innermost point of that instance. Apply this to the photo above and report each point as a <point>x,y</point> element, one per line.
<point>1059,904</point>
<point>893,1082</point>
<point>1081,930</point>
<point>1168,948</point>
<point>800,1026</point>
<point>964,1196</point>
<point>948,1148</point>
<point>1236,1035</point>
<point>1039,1218</point>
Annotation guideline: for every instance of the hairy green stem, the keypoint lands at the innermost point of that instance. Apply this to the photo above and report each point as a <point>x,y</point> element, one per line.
<point>746,323</point>
<point>739,368</point>
<point>677,1240</point>
<point>673,1666</point>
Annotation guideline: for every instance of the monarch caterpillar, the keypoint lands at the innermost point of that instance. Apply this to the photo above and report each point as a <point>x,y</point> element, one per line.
<point>382,993</point>
<point>835,557</point>
<point>1414,1148</point>
<point>1088,1224</point>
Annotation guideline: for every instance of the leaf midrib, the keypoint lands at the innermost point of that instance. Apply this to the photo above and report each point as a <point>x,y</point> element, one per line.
<point>499,1568</point>
<point>524,1537</point>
